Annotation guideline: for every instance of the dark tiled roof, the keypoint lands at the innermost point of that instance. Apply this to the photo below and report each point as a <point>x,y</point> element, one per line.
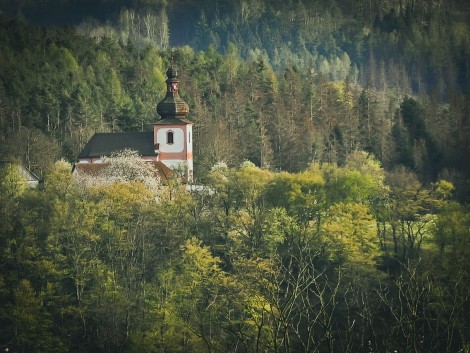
<point>172,105</point>
<point>104,144</point>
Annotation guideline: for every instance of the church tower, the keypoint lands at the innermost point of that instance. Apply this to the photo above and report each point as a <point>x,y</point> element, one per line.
<point>173,132</point>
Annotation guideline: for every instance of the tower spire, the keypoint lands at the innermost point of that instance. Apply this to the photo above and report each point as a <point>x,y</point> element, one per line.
<point>173,132</point>
<point>172,106</point>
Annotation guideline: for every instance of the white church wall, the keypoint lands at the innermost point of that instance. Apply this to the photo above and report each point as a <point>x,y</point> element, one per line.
<point>178,140</point>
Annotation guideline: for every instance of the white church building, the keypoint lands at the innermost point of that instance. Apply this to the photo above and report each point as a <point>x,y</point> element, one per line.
<point>168,146</point>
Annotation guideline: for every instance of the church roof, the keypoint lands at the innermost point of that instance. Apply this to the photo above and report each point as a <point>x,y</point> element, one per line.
<point>104,144</point>
<point>172,106</point>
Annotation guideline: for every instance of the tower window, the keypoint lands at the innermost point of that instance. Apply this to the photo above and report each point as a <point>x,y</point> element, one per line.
<point>170,137</point>
<point>189,137</point>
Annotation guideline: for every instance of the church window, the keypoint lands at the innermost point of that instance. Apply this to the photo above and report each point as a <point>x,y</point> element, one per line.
<point>170,137</point>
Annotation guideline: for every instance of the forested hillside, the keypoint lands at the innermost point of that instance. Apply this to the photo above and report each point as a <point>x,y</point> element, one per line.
<point>332,139</point>
<point>281,84</point>
<point>332,259</point>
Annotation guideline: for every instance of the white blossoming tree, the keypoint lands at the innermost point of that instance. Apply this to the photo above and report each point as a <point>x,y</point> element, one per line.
<point>122,167</point>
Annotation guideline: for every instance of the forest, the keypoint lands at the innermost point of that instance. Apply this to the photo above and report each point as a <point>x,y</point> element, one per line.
<point>331,259</point>
<point>331,150</point>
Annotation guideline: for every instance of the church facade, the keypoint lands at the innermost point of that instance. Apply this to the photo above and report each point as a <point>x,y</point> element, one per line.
<point>169,145</point>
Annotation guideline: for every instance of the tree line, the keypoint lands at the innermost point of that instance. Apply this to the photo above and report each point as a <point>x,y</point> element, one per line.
<point>331,259</point>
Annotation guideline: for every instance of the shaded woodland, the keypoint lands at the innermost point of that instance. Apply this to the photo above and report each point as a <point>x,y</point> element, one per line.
<point>333,140</point>
<point>332,259</point>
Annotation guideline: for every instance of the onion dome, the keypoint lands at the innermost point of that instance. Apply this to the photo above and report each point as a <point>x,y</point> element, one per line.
<point>172,106</point>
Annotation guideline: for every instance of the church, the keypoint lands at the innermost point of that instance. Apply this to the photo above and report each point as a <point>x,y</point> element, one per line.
<point>168,146</point>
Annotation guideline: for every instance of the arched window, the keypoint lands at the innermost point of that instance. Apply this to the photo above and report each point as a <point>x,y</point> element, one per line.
<point>169,137</point>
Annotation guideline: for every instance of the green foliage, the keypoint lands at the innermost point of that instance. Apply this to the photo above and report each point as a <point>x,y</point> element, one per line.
<point>302,195</point>
<point>33,147</point>
<point>238,264</point>
<point>449,234</point>
<point>264,90</point>
<point>349,234</point>
<point>361,180</point>
<point>31,325</point>
<point>12,183</point>
<point>309,245</point>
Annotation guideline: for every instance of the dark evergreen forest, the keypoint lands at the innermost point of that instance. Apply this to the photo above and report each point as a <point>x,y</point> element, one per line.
<point>333,138</point>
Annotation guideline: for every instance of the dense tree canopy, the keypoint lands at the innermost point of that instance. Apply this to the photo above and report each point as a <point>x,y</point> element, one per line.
<point>331,148</point>
<point>255,261</point>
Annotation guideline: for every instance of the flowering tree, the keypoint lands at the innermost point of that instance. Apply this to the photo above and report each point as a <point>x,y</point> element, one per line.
<point>122,167</point>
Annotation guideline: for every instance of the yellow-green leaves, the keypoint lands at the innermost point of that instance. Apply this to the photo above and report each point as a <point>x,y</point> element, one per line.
<point>12,184</point>
<point>302,195</point>
<point>198,261</point>
<point>349,234</point>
